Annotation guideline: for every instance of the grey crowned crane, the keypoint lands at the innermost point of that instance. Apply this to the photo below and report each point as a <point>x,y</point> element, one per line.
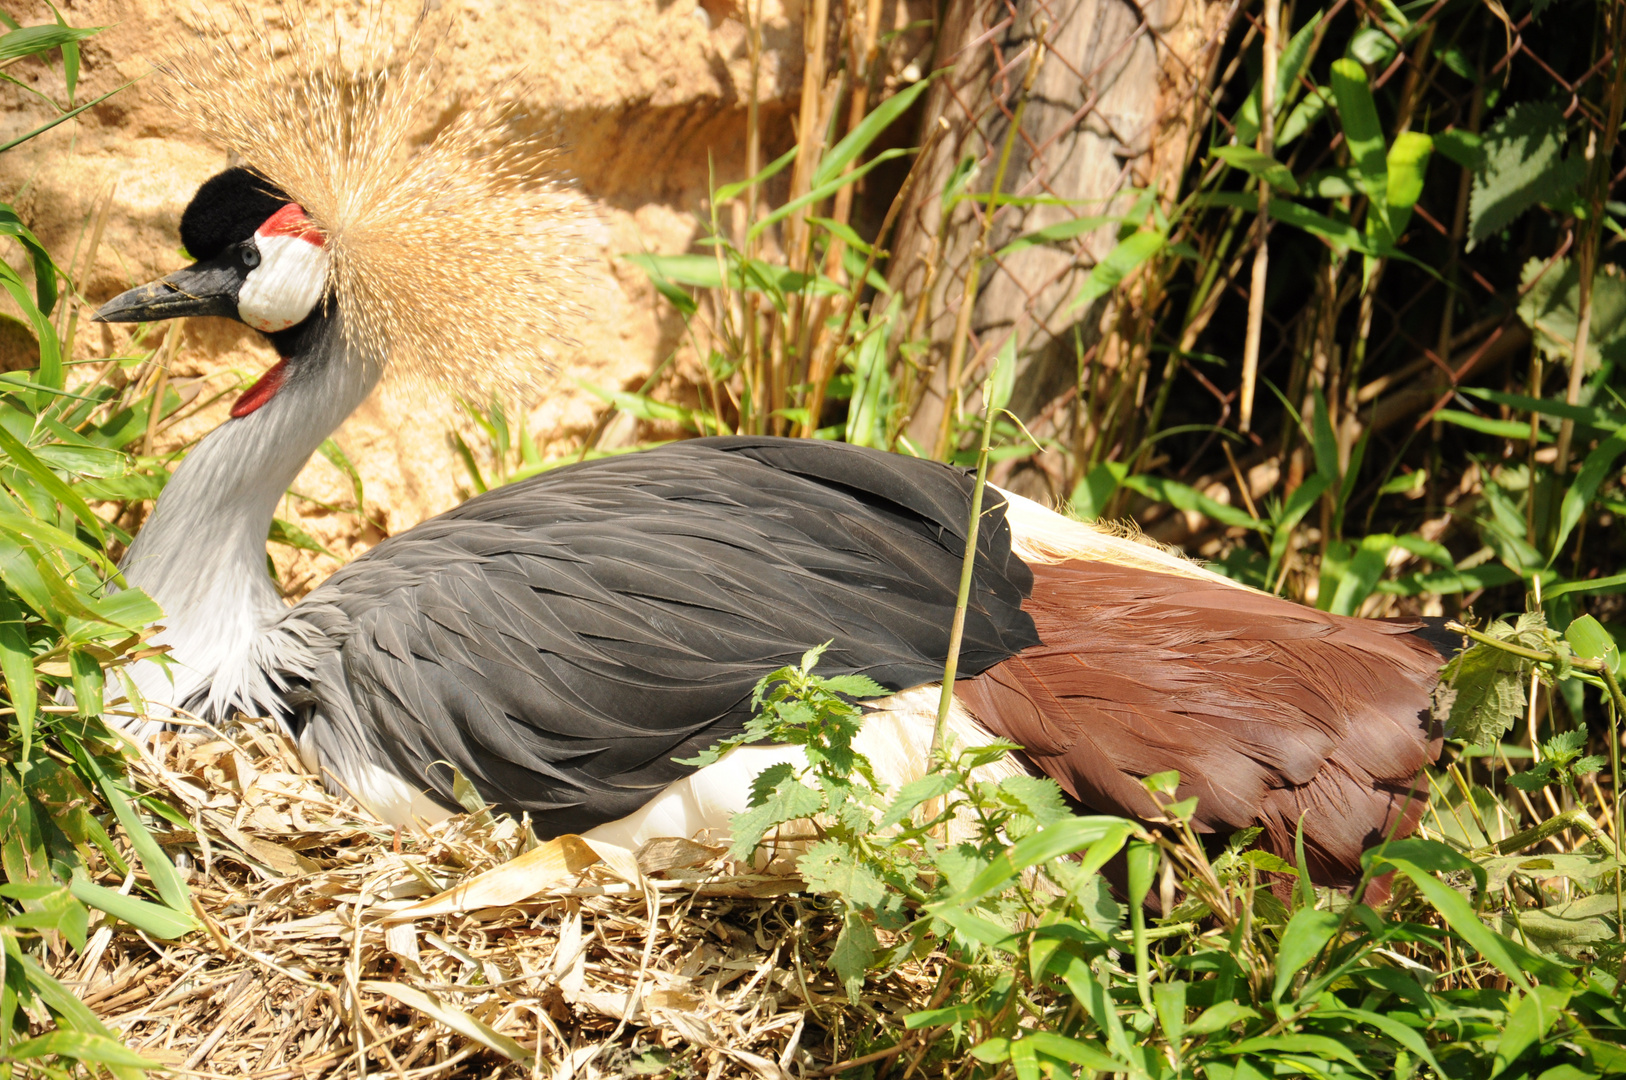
<point>562,640</point>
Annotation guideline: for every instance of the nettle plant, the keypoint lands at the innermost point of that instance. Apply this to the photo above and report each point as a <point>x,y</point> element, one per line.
<point>998,888</point>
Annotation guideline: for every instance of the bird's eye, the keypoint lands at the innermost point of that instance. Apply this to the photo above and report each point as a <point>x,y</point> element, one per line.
<point>251,256</point>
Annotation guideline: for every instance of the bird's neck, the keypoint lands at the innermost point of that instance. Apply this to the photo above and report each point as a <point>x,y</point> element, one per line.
<point>202,553</point>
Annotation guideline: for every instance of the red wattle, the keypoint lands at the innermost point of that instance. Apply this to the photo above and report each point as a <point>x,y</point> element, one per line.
<point>262,391</point>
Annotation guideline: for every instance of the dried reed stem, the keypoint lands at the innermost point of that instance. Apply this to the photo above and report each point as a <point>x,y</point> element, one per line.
<point>1261,256</point>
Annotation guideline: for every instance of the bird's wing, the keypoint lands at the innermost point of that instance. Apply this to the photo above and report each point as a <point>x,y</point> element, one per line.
<point>562,640</point>
<point>1271,712</point>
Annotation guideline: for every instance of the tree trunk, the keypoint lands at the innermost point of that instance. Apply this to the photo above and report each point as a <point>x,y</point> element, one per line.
<point>1107,116</point>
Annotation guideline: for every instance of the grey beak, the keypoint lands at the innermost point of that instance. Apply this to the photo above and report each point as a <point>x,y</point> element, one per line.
<point>205,288</point>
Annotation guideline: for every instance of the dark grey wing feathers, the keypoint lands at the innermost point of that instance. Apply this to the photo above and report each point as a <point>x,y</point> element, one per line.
<point>561,640</point>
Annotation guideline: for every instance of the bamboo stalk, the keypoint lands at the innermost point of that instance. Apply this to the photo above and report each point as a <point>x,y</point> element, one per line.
<point>1261,255</point>
<point>962,600</point>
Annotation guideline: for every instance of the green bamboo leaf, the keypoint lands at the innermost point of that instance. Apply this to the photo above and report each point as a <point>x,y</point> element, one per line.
<point>155,919</point>
<point>81,1046</point>
<point>1459,914</point>
<point>774,168</point>
<point>87,682</point>
<point>1598,467</point>
<point>1362,130</point>
<point>974,928</point>
<point>1315,1046</point>
<point>1298,504</point>
<point>17,664</point>
<point>1391,1027</point>
<point>1219,1017</point>
<point>1254,163</point>
<point>1120,262</point>
<point>1307,931</point>
<point>1184,497</point>
<point>24,459</point>
<point>1530,1020</point>
<point>1061,230</point>
<point>823,191</point>
<point>165,878</point>
<point>1288,66</point>
<point>31,40</point>
<point>1062,838</point>
<point>45,271</point>
<point>1407,163</point>
<point>868,130</point>
<point>1074,1052</point>
<point>1614,583</point>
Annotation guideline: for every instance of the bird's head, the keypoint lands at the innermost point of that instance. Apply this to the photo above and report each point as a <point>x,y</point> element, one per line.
<point>261,261</point>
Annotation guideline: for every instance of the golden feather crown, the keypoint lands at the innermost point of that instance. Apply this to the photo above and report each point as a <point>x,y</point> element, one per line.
<point>458,257</point>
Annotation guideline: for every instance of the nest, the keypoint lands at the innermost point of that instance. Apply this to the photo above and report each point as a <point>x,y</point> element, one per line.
<point>332,946</point>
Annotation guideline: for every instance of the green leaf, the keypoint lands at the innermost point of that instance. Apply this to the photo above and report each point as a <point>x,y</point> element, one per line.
<point>1550,304</point>
<point>868,130</point>
<point>774,168</point>
<point>17,664</point>
<point>822,191</point>
<point>1120,262</point>
<point>1254,163</point>
<point>783,798</point>
<point>155,919</point>
<point>854,953</point>
<point>31,40</point>
<point>1219,1017</point>
<point>1588,415</point>
<point>1530,1019</point>
<point>1061,230</point>
<point>1612,584</point>
<point>1461,146</point>
<point>1523,167</point>
<point>1183,497</point>
<point>1391,1027</point>
<point>1481,693</point>
<point>87,682</point>
<point>973,927</point>
<point>1074,1051</point>
<point>1062,838</point>
<point>1460,916</point>
<point>1591,641</point>
<point>1305,496</point>
<point>1503,429</point>
<point>1598,467</point>
<point>1288,66</point>
<point>832,868</point>
<point>1096,488</point>
<point>286,532</point>
<point>934,785</point>
<point>1407,164</point>
<point>1170,1001</point>
<point>81,1046</point>
<point>1315,1046</point>
<point>165,878</point>
<point>1363,131</point>
<point>1304,115</point>
<point>1307,931</point>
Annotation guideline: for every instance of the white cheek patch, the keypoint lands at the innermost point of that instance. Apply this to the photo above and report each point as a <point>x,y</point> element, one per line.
<point>283,289</point>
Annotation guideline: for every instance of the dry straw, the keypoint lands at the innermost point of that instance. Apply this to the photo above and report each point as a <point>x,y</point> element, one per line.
<point>473,951</point>
<point>456,251</point>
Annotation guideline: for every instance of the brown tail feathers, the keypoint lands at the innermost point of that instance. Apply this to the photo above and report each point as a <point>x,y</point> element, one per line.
<point>1269,710</point>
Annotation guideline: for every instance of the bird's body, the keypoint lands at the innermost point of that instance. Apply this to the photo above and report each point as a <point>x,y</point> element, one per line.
<point>560,642</point>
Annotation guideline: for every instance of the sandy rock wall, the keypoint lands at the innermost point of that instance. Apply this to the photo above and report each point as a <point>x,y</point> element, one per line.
<point>645,96</point>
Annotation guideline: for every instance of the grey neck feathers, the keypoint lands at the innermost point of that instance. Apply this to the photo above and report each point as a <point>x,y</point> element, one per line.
<point>202,553</point>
